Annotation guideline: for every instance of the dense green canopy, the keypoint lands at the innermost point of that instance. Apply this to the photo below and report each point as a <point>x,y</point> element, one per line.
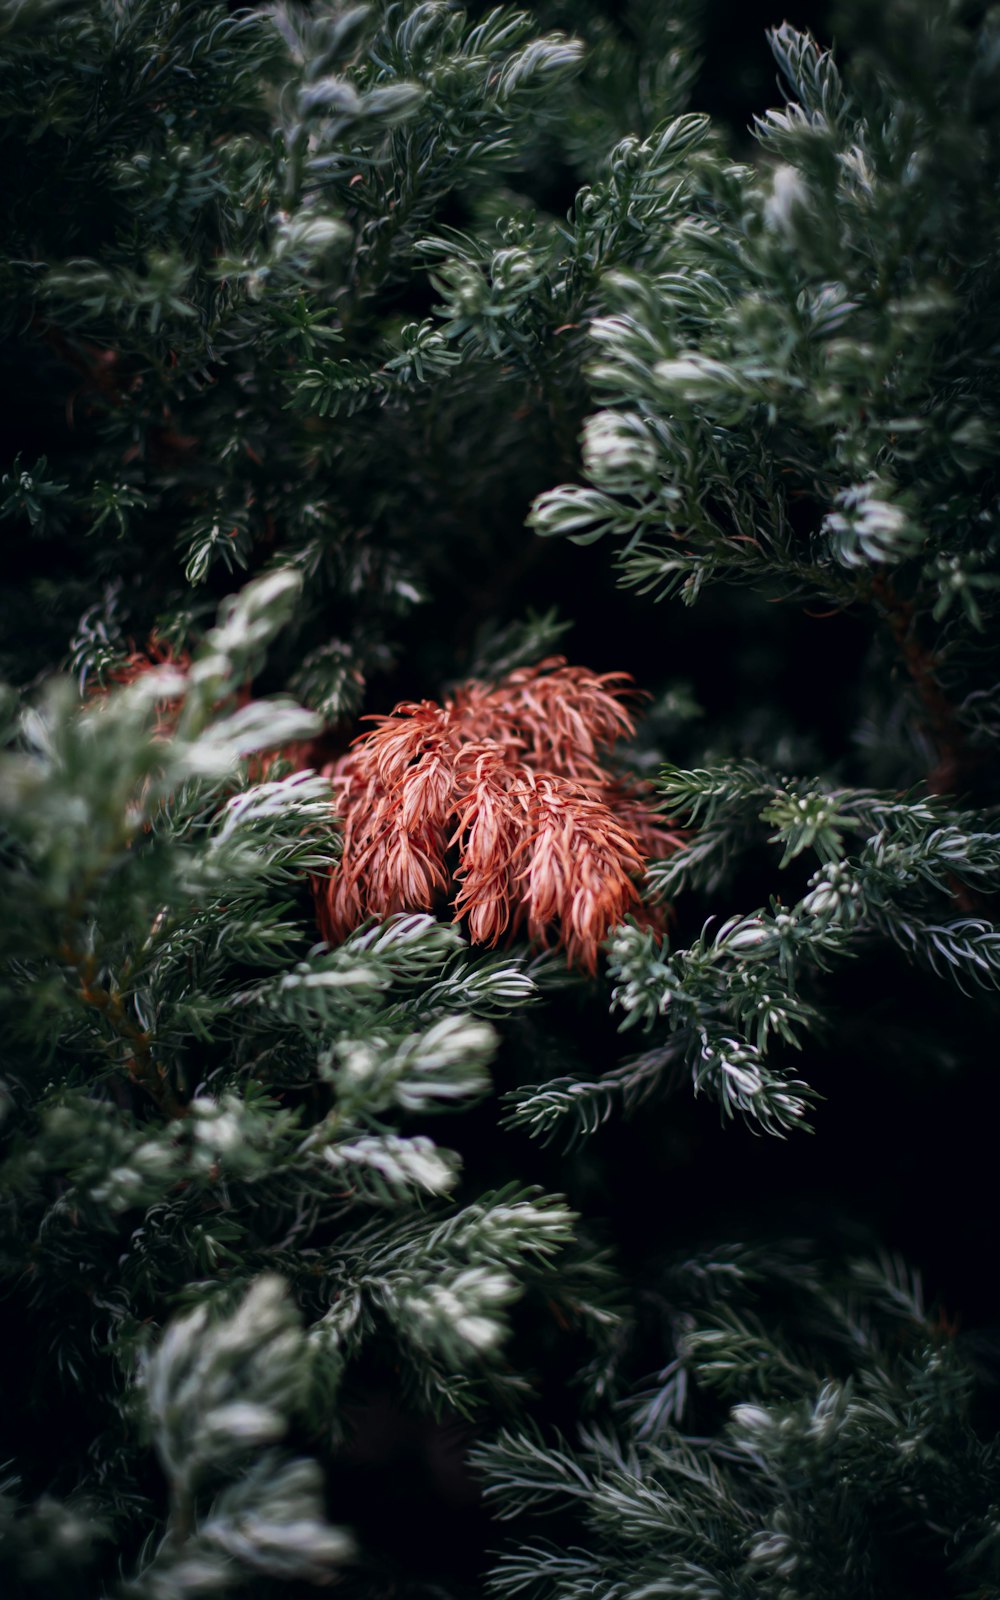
<point>358,355</point>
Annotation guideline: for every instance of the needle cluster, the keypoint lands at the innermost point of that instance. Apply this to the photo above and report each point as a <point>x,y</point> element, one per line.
<point>501,799</point>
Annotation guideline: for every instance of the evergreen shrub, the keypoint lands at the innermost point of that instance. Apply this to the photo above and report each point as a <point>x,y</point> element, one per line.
<point>638,477</point>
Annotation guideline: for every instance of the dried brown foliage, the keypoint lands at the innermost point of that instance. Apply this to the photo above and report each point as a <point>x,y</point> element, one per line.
<point>156,653</point>
<point>501,799</point>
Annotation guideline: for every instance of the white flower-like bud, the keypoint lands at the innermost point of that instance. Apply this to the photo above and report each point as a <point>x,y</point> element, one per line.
<point>616,442</point>
<point>788,195</point>
<point>755,1419</point>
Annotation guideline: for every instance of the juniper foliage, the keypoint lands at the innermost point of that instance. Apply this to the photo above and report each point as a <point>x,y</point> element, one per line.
<point>846,1461</point>
<point>790,393</point>
<point>203,1107</point>
<point>796,395</point>
<point>304,307</point>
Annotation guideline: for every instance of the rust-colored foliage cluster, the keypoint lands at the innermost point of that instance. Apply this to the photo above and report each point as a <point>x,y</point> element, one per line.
<point>500,799</point>
<point>157,653</point>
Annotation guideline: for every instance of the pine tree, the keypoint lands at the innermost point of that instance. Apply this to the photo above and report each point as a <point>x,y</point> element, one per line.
<point>300,330</point>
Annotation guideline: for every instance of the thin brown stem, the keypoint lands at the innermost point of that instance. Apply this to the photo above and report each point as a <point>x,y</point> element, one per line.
<point>921,664</point>
<point>140,1063</point>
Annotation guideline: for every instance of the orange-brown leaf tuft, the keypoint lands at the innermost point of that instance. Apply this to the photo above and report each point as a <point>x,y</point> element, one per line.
<point>500,798</point>
<point>157,653</point>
